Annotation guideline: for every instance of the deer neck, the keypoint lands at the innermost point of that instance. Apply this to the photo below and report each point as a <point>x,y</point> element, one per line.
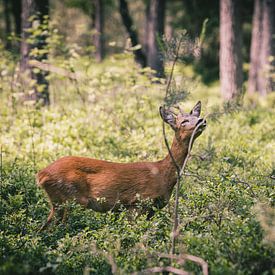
<point>179,150</point>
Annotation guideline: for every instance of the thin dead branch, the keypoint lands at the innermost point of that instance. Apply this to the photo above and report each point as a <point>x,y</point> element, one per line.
<point>180,170</point>
<point>181,260</point>
<point>53,69</point>
<point>159,269</point>
<point>179,175</point>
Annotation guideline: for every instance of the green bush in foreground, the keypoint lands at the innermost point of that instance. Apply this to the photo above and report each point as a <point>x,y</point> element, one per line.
<point>229,174</point>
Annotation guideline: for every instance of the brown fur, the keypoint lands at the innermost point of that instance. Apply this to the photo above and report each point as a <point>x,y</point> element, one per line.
<point>102,185</point>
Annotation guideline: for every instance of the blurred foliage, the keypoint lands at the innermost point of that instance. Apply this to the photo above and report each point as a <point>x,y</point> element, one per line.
<point>76,17</point>
<point>110,111</point>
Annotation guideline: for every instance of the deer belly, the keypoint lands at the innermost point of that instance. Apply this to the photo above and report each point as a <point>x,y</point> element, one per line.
<point>103,205</point>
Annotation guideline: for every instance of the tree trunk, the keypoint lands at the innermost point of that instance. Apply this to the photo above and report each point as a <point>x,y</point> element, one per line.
<point>231,75</point>
<point>155,31</point>
<point>262,47</point>
<point>99,27</point>
<point>147,20</point>
<point>41,77</point>
<point>255,47</point>
<point>169,31</point>
<point>129,25</point>
<point>7,24</point>
<point>16,11</point>
<point>41,87</point>
<point>28,9</point>
<point>265,80</point>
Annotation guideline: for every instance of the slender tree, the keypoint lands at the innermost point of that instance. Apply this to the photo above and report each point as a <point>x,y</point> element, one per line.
<point>140,57</point>
<point>40,8</point>
<point>99,28</point>
<point>231,76</point>
<point>262,48</point>
<point>155,30</point>
<point>16,9</point>
<point>12,19</point>
<point>27,10</point>
<point>255,47</point>
<point>155,15</point>
<point>7,24</point>
<point>147,20</point>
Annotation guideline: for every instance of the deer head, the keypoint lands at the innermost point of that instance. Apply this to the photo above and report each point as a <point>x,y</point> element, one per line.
<point>184,123</point>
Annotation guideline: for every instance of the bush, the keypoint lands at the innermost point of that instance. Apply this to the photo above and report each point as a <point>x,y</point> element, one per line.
<point>112,113</point>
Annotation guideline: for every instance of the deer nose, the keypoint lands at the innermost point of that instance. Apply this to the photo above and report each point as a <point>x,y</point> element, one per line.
<point>200,120</point>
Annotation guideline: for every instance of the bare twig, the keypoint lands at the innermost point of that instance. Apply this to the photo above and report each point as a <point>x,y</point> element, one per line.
<point>173,67</point>
<point>183,257</point>
<point>199,261</point>
<point>198,177</point>
<point>112,263</point>
<point>159,269</point>
<point>109,258</point>
<point>176,221</point>
<point>166,94</point>
<point>179,170</point>
<point>167,144</point>
<point>1,182</point>
<point>53,69</point>
<point>168,148</point>
<point>246,184</point>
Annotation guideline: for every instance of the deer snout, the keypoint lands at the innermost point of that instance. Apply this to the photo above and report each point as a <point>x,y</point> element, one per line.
<point>200,120</point>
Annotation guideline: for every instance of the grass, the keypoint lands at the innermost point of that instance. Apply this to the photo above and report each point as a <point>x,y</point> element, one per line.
<point>111,113</point>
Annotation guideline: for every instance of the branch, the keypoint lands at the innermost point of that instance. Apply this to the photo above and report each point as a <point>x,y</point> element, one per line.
<point>183,257</point>
<point>166,94</point>
<point>53,69</point>
<point>176,222</point>
<point>180,260</point>
<point>159,269</point>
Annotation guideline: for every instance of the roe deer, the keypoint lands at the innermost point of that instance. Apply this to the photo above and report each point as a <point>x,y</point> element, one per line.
<point>103,185</point>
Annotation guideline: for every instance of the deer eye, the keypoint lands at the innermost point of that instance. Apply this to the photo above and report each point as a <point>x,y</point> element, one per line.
<point>184,122</point>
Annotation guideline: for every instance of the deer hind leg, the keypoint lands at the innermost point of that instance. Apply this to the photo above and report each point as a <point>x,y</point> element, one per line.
<point>61,212</point>
<point>65,215</point>
<point>49,219</point>
<point>55,200</point>
<point>150,214</point>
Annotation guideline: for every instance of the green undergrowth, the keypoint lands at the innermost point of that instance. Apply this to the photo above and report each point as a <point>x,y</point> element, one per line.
<point>111,113</point>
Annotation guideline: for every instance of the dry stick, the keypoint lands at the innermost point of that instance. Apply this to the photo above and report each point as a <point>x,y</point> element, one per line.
<point>176,222</point>
<point>1,181</point>
<point>175,226</point>
<point>179,175</point>
<point>53,69</point>
<point>181,259</point>
<point>166,93</point>
<point>72,75</point>
<point>179,171</point>
<point>173,66</point>
<point>159,269</point>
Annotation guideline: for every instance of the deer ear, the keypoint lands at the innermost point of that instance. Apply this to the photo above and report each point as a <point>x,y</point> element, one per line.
<point>196,111</point>
<point>168,117</point>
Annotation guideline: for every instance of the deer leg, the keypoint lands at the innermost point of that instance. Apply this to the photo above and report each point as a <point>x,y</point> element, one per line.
<point>65,215</point>
<point>49,219</point>
<point>61,213</point>
<point>150,214</point>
